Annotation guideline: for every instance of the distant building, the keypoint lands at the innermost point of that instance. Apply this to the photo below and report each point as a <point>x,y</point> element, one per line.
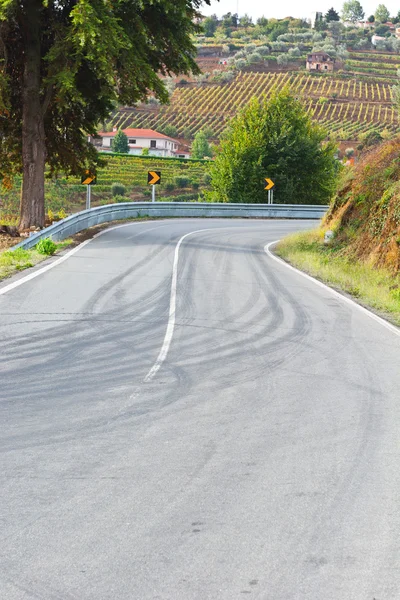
<point>377,38</point>
<point>158,144</point>
<point>320,61</point>
<point>365,25</point>
<point>314,18</point>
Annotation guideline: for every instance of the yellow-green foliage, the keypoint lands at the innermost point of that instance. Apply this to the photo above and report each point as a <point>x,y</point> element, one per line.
<point>15,260</point>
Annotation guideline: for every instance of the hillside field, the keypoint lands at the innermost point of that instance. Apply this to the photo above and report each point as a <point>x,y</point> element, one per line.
<point>180,179</point>
<point>347,107</point>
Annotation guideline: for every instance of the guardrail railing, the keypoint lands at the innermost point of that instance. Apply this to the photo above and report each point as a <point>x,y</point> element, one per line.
<point>127,210</point>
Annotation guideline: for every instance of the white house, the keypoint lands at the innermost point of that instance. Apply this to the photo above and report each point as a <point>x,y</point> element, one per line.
<point>377,38</point>
<point>158,144</point>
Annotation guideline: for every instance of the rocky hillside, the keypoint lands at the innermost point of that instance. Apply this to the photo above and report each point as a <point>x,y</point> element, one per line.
<point>365,213</point>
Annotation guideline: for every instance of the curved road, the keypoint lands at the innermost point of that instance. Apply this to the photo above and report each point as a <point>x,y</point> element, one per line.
<point>245,444</point>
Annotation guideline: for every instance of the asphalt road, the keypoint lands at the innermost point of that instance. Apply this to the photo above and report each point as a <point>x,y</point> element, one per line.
<point>245,445</point>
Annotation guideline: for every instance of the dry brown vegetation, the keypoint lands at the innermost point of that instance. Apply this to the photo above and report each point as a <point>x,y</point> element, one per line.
<point>366,210</point>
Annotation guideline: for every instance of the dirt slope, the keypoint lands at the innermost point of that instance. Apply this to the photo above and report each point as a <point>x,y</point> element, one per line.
<point>366,211</point>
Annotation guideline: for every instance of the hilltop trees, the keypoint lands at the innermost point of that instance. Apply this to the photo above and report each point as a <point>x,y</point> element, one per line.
<point>63,67</point>
<point>332,15</point>
<point>210,25</point>
<point>382,14</point>
<point>352,11</point>
<point>274,138</point>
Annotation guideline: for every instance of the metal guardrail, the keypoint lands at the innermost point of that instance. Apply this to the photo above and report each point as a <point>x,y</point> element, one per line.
<point>127,210</point>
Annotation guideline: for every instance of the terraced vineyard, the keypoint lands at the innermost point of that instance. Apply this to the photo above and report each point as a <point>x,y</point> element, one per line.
<point>347,106</point>
<point>187,176</point>
<point>132,171</point>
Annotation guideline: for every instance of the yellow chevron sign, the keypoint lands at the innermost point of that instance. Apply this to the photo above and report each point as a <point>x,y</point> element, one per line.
<point>270,184</point>
<point>153,177</point>
<point>88,178</point>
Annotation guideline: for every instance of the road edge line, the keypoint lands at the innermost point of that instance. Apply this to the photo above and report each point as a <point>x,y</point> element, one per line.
<point>337,294</point>
<point>30,276</point>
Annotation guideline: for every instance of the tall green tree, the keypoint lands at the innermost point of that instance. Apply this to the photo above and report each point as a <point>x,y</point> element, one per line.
<point>274,138</point>
<point>120,143</point>
<point>332,15</point>
<point>209,25</point>
<point>352,11</point>
<point>382,14</point>
<point>64,65</point>
<point>201,147</point>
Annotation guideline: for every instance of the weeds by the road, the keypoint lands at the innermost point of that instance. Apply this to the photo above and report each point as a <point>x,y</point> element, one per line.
<point>374,287</point>
<point>12,261</point>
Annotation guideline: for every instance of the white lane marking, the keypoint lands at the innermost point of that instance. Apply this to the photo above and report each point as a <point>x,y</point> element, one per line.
<point>172,309</point>
<point>15,284</point>
<point>338,295</point>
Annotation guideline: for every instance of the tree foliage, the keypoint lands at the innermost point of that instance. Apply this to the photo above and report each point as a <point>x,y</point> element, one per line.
<point>201,147</point>
<point>64,65</point>
<point>170,130</point>
<point>209,25</point>
<point>382,14</point>
<point>120,143</point>
<point>274,138</point>
<point>332,15</point>
<point>352,11</point>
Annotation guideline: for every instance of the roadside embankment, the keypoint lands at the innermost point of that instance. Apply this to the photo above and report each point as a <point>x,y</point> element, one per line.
<point>363,256</point>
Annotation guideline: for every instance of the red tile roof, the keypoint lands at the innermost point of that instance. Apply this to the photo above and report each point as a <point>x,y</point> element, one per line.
<point>138,133</point>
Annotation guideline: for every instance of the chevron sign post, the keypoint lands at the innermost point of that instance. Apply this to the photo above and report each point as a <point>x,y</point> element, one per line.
<point>270,187</point>
<point>88,178</point>
<point>153,179</point>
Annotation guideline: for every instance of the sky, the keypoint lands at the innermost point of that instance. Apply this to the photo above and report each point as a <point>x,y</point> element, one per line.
<point>286,8</point>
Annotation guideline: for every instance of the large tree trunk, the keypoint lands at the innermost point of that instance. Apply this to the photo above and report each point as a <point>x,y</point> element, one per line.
<point>33,136</point>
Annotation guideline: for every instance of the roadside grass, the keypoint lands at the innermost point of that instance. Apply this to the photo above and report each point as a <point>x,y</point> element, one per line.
<point>376,288</point>
<point>12,261</point>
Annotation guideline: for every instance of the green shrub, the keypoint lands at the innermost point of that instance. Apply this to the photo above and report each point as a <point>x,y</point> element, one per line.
<point>170,187</point>
<point>46,246</point>
<point>182,182</point>
<point>119,198</point>
<point>195,185</point>
<point>118,189</point>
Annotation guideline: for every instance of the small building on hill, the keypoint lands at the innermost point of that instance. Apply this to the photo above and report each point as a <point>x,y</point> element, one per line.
<point>375,39</point>
<point>320,61</point>
<point>157,144</point>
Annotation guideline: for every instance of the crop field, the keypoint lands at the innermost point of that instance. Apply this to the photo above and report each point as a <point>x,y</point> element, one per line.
<point>67,194</point>
<point>374,64</point>
<point>132,171</point>
<point>350,106</point>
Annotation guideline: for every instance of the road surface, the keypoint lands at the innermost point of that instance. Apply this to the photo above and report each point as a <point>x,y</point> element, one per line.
<point>184,418</point>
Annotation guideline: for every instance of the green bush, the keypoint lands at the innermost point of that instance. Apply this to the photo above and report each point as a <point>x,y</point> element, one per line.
<point>46,246</point>
<point>170,187</point>
<point>119,198</point>
<point>118,189</point>
<point>195,185</point>
<point>182,182</point>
